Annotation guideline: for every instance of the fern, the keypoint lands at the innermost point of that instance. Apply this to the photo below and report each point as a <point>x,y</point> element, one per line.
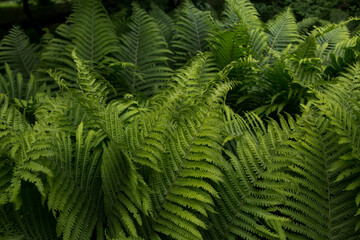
<point>304,66</point>
<point>230,45</point>
<point>320,208</point>
<point>282,31</point>
<point>23,149</point>
<point>124,147</point>
<point>329,36</point>
<point>179,186</point>
<point>125,194</point>
<point>18,87</point>
<point>341,107</point>
<point>75,196</point>
<point>89,31</point>
<point>251,180</point>
<point>182,193</point>
<point>17,51</point>
<point>191,32</point>
<point>154,126</point>
<point>145,48</point>
<point>243,12</point>
<point>164,21</point>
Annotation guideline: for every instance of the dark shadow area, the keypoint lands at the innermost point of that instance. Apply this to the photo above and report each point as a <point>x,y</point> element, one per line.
<point>42,16</point>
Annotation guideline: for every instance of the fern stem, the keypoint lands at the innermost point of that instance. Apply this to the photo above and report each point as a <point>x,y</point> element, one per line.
<point>92,35</point>
<point>197,34</point>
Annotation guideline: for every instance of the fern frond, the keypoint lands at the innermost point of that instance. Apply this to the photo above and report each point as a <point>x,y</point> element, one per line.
<point>154,125</point>
<point>19,87</point>
<point>259,45</point>
<point>24,150</point>
<point>307,23</point>
<point>17,51</point>
<point>76,197</point>
<point>329,36</point>
<point>230,44</point>
<point>251,179</point>
<point>191,32</point>
<point>145,47</point>
<point>339,103</point>
<point>93,33</point>
<point>165,22</point>
<point>92,90</point>
<point>182,191</point>
<point>125,194</point>
<point>318,206</point>
<point>57,55</point>
<point>243,12</point>
<point>282,31</point>
<point>89,31</point>
<point>304,66</point>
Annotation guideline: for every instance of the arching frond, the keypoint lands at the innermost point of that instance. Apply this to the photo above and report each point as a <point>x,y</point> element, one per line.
<point>340,104</point>
<point>306,24</point>
<point>154,125</point>
<point>18,87</point>
<point>329,36</point>
<point>126,196</point>
<point>76,197</point>
<point>259,44</point>
<point>89,31</point>
<point>17,51</point>
<point>243,12</point>
<point>165,22</point>
<point>182,193</point>
<point>93,33</point>
<point>22,149</point>
<point>145,47</point>
<point>318,206</point>
<point>191,32</point>
<point>57,55</point>
<point>230,44</point>
<point>304,66</point>
<point>91,90</point>
<point>251,180</point>
<point>282,31</point>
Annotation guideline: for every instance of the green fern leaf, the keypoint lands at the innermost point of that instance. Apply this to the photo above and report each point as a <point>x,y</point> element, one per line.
<point>182,192</point>
<point>16,50</point>
<point>282,31</point>
<point>191,32</point>
<point>251,177</point>
<point>165,22</point>
<point>18,87</point>
<point>89,31</point>
<point>319,208</point>
<point>242,12</point>
<point>230,45</point>
<point>75,196</point>
<point>125,193</point>
<point>145,47</point>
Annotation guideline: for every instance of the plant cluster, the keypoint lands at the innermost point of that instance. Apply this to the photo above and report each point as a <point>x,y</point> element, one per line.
<point>181,127</point>
<point>334,10</point>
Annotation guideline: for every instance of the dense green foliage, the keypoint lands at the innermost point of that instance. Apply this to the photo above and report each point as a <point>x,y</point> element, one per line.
<point>333,10</point>
<point>182,126</point>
